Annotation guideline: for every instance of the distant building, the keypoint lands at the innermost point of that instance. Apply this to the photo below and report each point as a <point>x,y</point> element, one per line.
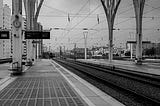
<point>1,14</point>
<point>45,49</point>
<point>6,17</point>
<point>153,49</point>
<point>99,50</point>
<point>5,24</point>
<point>1,25</point>
<point>146,45</point>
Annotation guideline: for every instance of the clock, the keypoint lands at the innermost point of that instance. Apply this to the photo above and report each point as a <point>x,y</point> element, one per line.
<point>17,24</point>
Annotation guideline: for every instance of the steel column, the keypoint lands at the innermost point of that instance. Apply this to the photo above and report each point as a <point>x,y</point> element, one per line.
<point>85,44</point>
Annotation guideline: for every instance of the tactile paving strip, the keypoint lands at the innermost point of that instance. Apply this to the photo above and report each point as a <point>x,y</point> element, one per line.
<point>40,91</point>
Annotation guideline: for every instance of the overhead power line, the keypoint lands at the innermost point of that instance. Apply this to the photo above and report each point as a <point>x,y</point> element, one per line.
<point>82,20</point>
<point>55,9</point>
<point>129,18</point>
<point>77,13</point>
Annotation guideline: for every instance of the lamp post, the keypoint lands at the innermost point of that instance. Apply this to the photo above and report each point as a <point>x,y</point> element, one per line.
<point>85,33</point>
<point>131,48</point>
<point>49,47</point>
<point>75,54</point>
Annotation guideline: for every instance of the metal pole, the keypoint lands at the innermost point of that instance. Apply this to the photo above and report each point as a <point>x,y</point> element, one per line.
<point>37,46</point>
<point>75,54</point>
<point>131,51</point>
<point>64,52</point>
<point>17,35</point>
<point>85,44</point>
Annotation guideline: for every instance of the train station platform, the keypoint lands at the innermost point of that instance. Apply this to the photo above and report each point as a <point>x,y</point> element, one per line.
<point>47,83</point>
<point>147,67</point>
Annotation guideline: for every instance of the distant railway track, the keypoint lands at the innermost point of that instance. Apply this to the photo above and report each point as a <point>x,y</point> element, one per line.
<point>5,60</point>
<point>141,89</point>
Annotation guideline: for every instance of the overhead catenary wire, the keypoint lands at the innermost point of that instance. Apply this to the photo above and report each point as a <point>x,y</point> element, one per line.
<point>121,29</point>
<point>61,11</point>
<point>82,19</point>
<point>77,13</point>
<point>128,20</point>
<point>133,18</point>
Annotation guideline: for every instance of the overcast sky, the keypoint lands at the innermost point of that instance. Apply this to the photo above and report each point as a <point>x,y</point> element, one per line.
<point>83,14</point>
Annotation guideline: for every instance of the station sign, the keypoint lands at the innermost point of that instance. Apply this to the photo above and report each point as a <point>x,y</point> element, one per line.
<point>4,34</point>
<point>37,35</point>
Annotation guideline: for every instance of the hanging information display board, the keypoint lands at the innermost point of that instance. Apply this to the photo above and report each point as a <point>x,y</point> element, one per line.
<point>4,34</point>
<point>37,35</point>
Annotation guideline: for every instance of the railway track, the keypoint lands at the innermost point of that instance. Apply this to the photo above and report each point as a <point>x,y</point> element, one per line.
<point>142,87</point>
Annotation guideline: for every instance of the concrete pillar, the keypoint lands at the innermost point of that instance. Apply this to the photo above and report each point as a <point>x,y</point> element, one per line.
<point>110,44</point>
<point>28,22</point>
<point>110,8</point>
<point>17,35</point>
<point>138,6</point>
<point>32,17</point>
<point>29,15</point>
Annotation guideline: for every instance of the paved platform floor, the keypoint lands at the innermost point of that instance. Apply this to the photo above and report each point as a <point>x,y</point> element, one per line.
<point>41,85</point>
<point>4,70</point>
<point>147,67</point>
<point>49,84</point>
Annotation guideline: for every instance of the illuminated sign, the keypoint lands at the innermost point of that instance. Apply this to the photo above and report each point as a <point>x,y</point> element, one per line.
<point>37,35</point>
<point>4,34</point>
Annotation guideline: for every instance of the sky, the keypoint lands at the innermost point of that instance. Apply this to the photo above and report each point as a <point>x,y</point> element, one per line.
<point>84,13</point>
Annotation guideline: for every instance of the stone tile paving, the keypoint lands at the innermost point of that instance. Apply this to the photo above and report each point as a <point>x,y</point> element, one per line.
<point>41,85</point>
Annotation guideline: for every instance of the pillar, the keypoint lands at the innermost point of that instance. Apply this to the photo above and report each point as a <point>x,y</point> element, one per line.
<point>138,7</point>
<point>110,8</point>
<point>17,35</point>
